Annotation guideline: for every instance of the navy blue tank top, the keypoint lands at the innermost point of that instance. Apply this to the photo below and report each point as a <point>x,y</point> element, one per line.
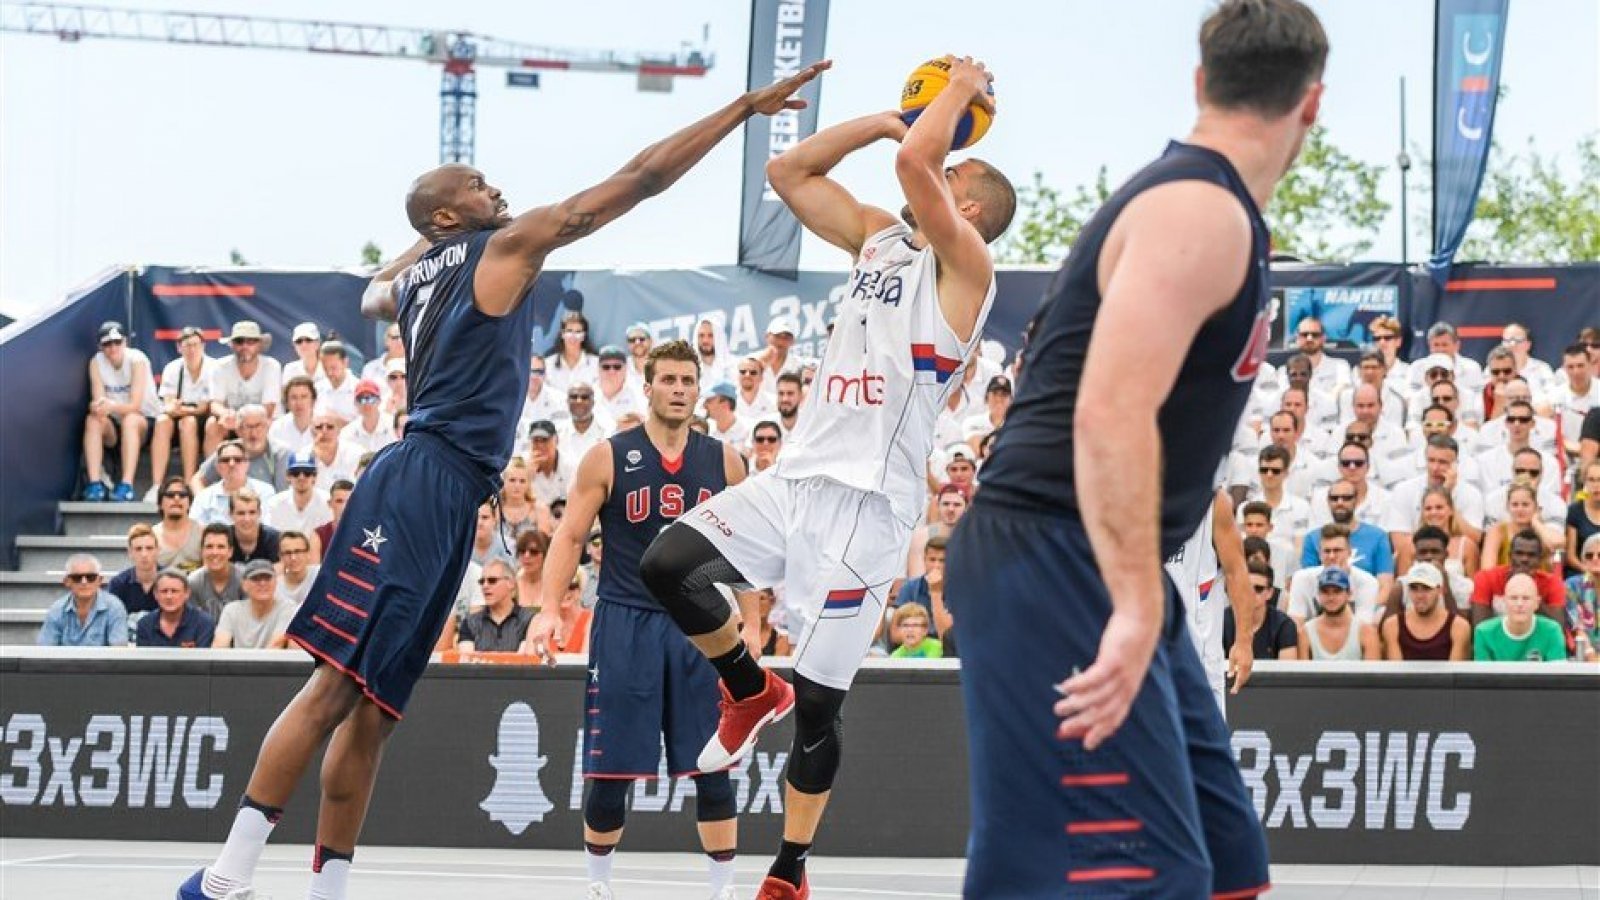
<point>466,371</point>
<point>648,493</point>
<point>1032,462</point>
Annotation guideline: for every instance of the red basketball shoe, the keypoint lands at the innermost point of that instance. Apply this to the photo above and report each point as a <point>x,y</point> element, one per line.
<point>742,721</point>
<point>777,889</point>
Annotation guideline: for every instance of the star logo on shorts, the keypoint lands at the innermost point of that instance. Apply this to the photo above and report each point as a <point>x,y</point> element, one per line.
<point>594,673</point>
<point>375,539</point>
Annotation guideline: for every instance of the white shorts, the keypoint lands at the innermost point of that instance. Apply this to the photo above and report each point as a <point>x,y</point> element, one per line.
<point>835,549</point>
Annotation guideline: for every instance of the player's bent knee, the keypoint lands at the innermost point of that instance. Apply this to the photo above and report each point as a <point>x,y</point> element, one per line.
<point>714,798</point>
<point>681,568</point>
<point>605,804</point>
<point>818,736</point>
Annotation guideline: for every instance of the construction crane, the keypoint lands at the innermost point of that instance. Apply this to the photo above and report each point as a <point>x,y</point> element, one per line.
<point>460,53</point>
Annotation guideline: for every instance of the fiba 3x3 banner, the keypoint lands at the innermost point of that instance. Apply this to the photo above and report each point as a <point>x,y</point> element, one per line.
<point>1468,38</point>
<point>785,37</point>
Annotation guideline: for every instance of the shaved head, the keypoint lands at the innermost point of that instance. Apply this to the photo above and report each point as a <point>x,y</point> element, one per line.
<point>458,192</point>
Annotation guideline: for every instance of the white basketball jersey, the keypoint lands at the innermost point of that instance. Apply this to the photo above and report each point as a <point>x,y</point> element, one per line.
<point>1197,573</point>
<point>118,383</point>
<point>888,369</point>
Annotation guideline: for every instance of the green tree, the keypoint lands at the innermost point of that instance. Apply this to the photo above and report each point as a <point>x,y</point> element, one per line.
<point>1529,213</point>
<point>1050,220</point>
<point>1327,207</point>
<point>371,254</point>
<point>236,258</point>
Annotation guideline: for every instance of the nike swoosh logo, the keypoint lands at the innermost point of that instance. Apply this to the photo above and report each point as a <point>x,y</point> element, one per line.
<point>808,748</point>
<point>632,468</point>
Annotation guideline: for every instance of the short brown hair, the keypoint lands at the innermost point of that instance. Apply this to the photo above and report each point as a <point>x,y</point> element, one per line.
<point>997,200</point>
<point>140,530</point>
<point>292,535</point>
<point>243,495</point>
<point>299,381</point>
<point>1261,55</point>
<point>676,351</point>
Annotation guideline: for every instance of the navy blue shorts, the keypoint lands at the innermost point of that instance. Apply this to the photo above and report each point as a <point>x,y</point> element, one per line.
<point>392,569</point>
<point>1160,809</point>
<point>648,686</point>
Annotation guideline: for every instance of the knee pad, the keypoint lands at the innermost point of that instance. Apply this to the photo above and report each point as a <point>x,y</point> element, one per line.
<point>714,800</point>
<point>682,569</point>
<point>818,736</point>
<point>605,803</point>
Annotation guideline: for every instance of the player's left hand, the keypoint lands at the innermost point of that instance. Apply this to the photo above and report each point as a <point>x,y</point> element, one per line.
<point>779,95</point>
<point>1241,657</point>
<point>1096,701</point>
<point>545,637</point>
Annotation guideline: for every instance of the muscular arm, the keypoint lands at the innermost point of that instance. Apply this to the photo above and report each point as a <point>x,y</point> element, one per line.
<point>822,205</point>
<point>733,467</point>
<point>516,253</point>
<point>378,300</point>
<point>589,491</point>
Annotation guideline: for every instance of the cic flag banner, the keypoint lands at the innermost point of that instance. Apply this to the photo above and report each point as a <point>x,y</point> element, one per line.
<point>1468,38</point>
<point>785,36</point>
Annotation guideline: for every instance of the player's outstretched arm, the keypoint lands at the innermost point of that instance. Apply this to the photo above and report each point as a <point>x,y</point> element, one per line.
<point>800,176</point>
<point>378,300</point>
<point>1176,255</point>
<point>1236,575</point>
<point>965,268</point>
<point>590,487</point>
<point>516,253</point>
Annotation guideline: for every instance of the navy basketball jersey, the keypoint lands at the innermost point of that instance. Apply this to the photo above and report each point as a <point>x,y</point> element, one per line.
<point>648,493</point>
<point>1032,461</point>
<point>466,371</point>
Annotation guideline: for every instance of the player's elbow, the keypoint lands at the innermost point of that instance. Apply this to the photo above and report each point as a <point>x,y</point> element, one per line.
<point>782,172</point>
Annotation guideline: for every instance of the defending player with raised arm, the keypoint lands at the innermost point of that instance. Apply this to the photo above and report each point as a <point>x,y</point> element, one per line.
<point>832,519</point>
<point>393,564</point>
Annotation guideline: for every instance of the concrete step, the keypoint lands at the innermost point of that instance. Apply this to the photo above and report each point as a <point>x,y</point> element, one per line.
<point>85,519</point>
<point>20,626</point>
<point>29,590</point>
<point>49,553</point>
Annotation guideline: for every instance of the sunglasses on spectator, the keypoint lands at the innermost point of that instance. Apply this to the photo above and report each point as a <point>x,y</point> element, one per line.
<point>1386,337</point>
<point>1311,334</point>
<point>641,339</point>
<point>302,473</point>
<point>1351,463</point>
<point>246,341</point>
<point>583,396</point>
<point>530,551</point>
<point>1514,340</point>
<point>396,376</point>
<point>84,577</point>
<point>749,371</point>
<point>491,579</point>
<point>539,372</point>
<point>1270,470</point>
<point>1358,437</point>
<point>1531,473</point>
<point>1591,556</point>
<point>1499,371</point>
<point>229,460</point>
<point>324,427</point>
<point>1519,420</point>
<point>610,367</point>
<point>111,343</point>
<point>171,495</point>
<point>1341,498</point>
<point>367,400</point>
<point>1261,588</point>
<point>764,440</point>
<point>306,341</point>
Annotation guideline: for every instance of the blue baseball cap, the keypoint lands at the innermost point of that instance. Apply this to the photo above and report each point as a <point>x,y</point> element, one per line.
<point>724,390</point>
<point>1333,576</point>
<point>301,461</point>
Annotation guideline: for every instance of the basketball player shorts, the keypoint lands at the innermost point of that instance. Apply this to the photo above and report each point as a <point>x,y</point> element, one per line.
<point>648,687</point>
<point>1159,809</point>
<point>835,549</point>
<point>392,569</point>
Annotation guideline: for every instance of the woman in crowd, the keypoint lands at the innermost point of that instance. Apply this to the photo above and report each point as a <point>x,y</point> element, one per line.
<point>1522,513</point>
<point>1583,516</point>
<point>1439,510</point>
<point>573,356</point>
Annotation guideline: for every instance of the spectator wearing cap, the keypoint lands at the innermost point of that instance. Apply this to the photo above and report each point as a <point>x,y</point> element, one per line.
<point>134,585</point>
<point>791,392</point>
<point>214,503</point>
<point>1336,633</point>
<point>307,341</point>
<point>550,467</point>
<point>175,623</point>
<point>339,391</point>
<point>338,494</point>
<point>296,567</point>
<point>262,462</point>
<point>541,402</point>
<point>1333,551</point>
<point>393,348</point>
<point>615,394</point>
<point>1273,635</point>
<point>87,615</point>
<point>292,430</point>
<point>251,539</point>
<point>640,342</point>
<point>1426,629</point>
<point>335,457</point>
<point>997,399</point>
<point>1583,601</point>
<point>573,356</point>
<point>501,624</point>
<point>245,377</point>
<point>185,395</point>
<point>1528,557</point>
<point>394,387</point>
<point>755,400</point>
<point>949,505</point>
<point>1519,634</point>
<point>766,442</point>
<point>584,427</point>
<point>1443,341</point>
<point>177,535</point>
<point>960,467</point>
<point>775,358</point>
<point>723,421</point>
<point>260,620</point>
<point>371,430</point>
<point>122,407</point>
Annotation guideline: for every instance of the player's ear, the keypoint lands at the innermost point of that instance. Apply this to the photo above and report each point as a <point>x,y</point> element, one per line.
<point>1311,105</point>
<point>1199,86</point>
<point>445,218</point>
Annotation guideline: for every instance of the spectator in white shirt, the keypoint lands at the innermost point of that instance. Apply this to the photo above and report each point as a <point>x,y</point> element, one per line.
<point>1322,407</point>
<point>572,358</point>
<point>335,458</point>
<point>1330,375</point>
<point>1283,430</point>
<point>304,506</point>
<point>394,386</point>
<point>393,348</point>
<point>754,400</point>
<point>775,358</point>
<point>614,394</point>
<point>340,392</point>
<point>122,404</point>
<point>1404,510</point>
<point>1355,466</point>
<point>1443,341</point>
<point>1572,394</point>
<point>1535,371</point>
<point>1315,440</point>
<point>1496,463</point>
<point>245,378</point>
<point>296,571</point>
<point>1370,370</point>
<point>583,428</point>
<point>640,343</point>
<point>1493,432</point>
<point>723,421</point>
<point>1256,520</point>
<point>1388,337</point>
<point>292,430</point>
<point>185,395</point>
<point>1333,549</point>
<point>997,399</point>
<point>791,390</point>
<point>541,401</point>
<point>307,340</point>
<point>372,430</point>
<point>214,504</point>
<point>711,344</point>
<point>550,467</point>
<point>1527,466</point>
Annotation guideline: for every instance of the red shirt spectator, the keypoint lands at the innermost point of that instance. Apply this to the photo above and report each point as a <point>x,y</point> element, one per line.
<point>1489,586</point>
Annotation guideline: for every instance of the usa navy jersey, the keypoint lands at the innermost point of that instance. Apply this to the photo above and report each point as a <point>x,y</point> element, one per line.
<point>648,493</point>
<point>466,371</point>
<point>1032,462</point>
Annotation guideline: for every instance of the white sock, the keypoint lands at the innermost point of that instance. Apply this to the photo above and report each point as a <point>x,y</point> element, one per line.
<point>328,883</point>
<point>721,872</point>
<point>599,865</point>
<point>236,866</point>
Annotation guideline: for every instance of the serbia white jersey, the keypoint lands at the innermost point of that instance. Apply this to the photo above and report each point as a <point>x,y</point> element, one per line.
<point>888,369</point>
<point>1197,573</point>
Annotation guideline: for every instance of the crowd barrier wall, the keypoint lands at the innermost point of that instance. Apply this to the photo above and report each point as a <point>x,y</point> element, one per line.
<point>1373,764</point>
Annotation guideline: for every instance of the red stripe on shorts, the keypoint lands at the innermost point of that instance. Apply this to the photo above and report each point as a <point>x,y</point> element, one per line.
<point>353,610</point>
<point>369,557</point>
<point>324,623</point>
<point>1125,873</point>
<point>1105,826</point>
<point>1106,779</point>
<point>355,581</point>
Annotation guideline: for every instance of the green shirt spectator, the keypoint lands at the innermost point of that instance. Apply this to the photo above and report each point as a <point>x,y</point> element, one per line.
<point>1494,642</point>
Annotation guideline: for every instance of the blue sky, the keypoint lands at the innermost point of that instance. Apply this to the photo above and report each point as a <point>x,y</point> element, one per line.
<point>116,152</point>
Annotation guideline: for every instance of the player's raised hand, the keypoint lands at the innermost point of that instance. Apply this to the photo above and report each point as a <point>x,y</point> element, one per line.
<point>780,95</point>
<point>967,75</point>
<point>545,635</point>
<point>1096,701</point>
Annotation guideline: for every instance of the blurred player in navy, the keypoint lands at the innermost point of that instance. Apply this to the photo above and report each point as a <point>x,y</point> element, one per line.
<point>646,681</point>
<point>1100,762</point>
<point>394,562</point>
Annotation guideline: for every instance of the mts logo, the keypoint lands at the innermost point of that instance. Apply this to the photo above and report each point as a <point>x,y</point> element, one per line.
<point>143,761</point>
<point>865,389</point>
<point>1363,780</point>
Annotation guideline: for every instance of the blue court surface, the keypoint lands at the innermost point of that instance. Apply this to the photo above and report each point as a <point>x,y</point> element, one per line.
<point>133,869</point>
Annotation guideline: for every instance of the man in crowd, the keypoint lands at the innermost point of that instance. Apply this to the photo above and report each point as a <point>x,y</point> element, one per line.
<point>1256,520</point>
<point>176,623</point>
<point>1519,634</point>
<point>1321,410</point>
<point>1329,373</point>
<point>723,421</point>
<point>1443,341</point>
<point>1404,508</point>
<point>257,622</point>
<point>791,390</point>
<point>307,340</point>
<point>339,391</point>
<point>582,428</point>
<point>251,539</point>
<point>1528,467</point>
<point>185,396</point>
<point>1491,586</point>
<point>775,358</point>
<point>1354,464</point>
<point>304,506</point>
<point>1426,629</point>
<point>292,430</point>
<point>262,462</point>
<point>948,505</point>
<point>1333,547</point>
<point>1273,635</point>
<point>85,616</point>
<point>122,404</point>
<point>756,401</point>
<point>1336,632</point>
<point>715,366</point>
<point>214,505</point>
<point>134,585</point>
<point>246,377</point>
<point>216,583</point>
<point>1497,463</point>
<point>1515,338</point>
<point>639,344</point>
<point>1573,393</point>
<point>372,430</point>
<point>1431,545</point>
<point>177,535</point>
<point>335,458</point>
<point>294,558</point>
<point>541,403</point>
<point>615,394</point>
<point>550,470</point>
<point>766,441</point>
<point>1371,370</point>
<point>500,625</point>
<point>337,495</point>
<point>997,399</point>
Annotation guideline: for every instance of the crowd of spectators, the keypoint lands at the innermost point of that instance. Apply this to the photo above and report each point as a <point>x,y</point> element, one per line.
<point>1441,509</point>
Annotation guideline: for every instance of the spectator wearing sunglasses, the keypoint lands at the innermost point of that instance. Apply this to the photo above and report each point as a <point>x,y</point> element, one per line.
<point>1330,374</point>
<point>572,358</point>
<point>335,457</point>
<point>1273,634</point>
<point>1354,462</point>
<point>501,624</point>
<point>1516,390</point>
<point>584,427</point>
<point>640,343</point>
<point>1369,544</point>
<point>86,616</point>
<point>371,430</point>
<point>766,440</point>
<point>214,505</point>
<point>755,399</point>
<point>1528,467</point>
<point>615,395</point>
<point>1497,465</point>
<point>122,408</point>
<point>177,535</point>
<point>246,377</point>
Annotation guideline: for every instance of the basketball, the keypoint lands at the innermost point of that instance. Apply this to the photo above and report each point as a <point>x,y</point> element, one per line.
<point>924,84</point>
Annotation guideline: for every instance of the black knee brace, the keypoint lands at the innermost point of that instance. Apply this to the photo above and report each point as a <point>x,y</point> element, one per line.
<point>682,569</point>
<point>818,734</point>
<point>714,801</point>
<point>605,803</point>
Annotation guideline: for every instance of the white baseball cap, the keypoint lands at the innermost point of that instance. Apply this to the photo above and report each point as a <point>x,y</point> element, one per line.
<point>305,331</point>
